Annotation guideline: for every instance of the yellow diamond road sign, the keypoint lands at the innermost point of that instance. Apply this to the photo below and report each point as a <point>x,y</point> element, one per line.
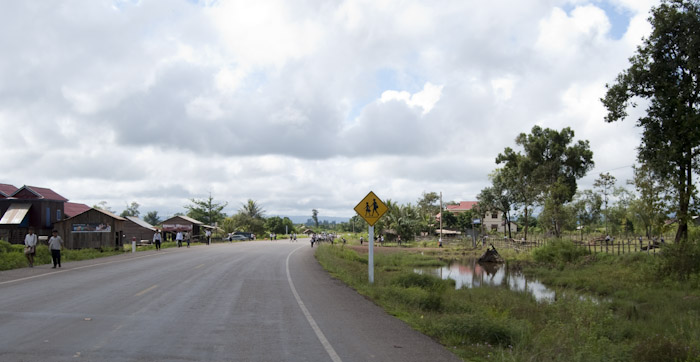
<point>371,208</point>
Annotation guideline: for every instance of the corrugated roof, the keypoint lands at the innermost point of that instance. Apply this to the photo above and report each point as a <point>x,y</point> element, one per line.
<point>186,219</point>
<point>71,209</point>
<point>140,222</point>
<point>42,193</point>
<point>463,206</point>
<point>15,214</point>
<point>99,210</point>
<point>6,190</point>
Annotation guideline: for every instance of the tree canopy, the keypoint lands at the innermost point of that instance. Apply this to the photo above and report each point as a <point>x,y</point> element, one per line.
<point>206,210</point>
<point>665,72</point>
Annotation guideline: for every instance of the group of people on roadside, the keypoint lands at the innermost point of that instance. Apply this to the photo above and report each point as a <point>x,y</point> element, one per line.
<point>55,245</point>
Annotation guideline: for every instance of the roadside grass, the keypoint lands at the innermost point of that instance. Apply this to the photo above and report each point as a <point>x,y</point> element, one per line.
<point>12,255</point>
<point>633,315</point>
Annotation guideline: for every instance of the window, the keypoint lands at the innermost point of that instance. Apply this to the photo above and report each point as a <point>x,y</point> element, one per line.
<point>58,215</point>
<point>494,215</point>
<point>494,227</point>
<point>48,217</point>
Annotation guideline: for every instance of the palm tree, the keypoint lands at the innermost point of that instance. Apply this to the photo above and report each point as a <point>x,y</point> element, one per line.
<point>252,209</point>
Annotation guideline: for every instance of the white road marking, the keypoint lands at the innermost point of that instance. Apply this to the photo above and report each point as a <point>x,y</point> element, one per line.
<point>78,268</point>
<point>321,337</point>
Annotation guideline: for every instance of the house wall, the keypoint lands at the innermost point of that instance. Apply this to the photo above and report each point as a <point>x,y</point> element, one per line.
<point>83,240</point>
<point>41,217</point>
<point>132,229</point>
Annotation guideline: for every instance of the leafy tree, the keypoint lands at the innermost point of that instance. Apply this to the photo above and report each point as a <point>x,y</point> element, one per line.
<point>649,208</point>
<point>403,219</point>
<point>665,72</point>
<point>314,216</point>
<point>244,222</point>
<point>556,165</point>
<point>152,218</point>
<point>278,225</point>
<point>519,177</point>
<point>131,210</point>
<point>465,220</point>
<point>206,210</point>
<point>586,207</point>
<point>498,197</point>
<point>252,209</point>
<point>605,183</point>
<point>449,220</point>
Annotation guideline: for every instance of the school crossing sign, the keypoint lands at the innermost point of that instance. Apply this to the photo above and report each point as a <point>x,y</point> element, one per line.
<point>371,208</point>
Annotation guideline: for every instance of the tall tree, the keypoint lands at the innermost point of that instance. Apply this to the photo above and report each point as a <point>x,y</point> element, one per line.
<point>314,216</point>
<point>206,210</point>
<point>252,209</point>
<point>498,197</point>
<point>665,71</point>
<point>554,166</point>
<point>605,183</point>
<point>520,176</point>
<point>649,209</point>
<point>131,210</point>
<point>152,218</point>
<point>586,207</point>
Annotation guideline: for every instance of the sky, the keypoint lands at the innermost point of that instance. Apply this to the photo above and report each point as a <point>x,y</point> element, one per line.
<point>302,105</point>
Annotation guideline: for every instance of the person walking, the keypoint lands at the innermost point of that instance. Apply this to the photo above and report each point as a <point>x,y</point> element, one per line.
<point>208,234</point>
<point>157,239</point>
<point>55,245</point>
<point>30,247</point>
<point>179,238</point>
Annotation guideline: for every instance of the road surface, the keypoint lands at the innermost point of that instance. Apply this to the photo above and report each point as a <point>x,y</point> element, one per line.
<point>253,301</point>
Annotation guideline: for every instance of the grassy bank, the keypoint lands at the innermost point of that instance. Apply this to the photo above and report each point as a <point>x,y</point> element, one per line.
<point>635,316</point>
<point>12,255</point>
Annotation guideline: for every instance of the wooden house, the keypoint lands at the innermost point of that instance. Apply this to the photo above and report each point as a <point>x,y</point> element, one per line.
<point>182,223</point>
<point>137,228</point>
<point>94,228</point>
<point>29,207</point>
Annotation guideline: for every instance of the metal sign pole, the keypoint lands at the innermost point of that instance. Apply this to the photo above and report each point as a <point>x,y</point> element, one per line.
<point>370,261</point>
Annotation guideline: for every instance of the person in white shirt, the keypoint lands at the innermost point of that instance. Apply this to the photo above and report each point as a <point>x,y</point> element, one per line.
<point>30,247</point>
<point>179,238</point>
<point>208,233</point>
<point>157,238</point>
<point>55,245</point>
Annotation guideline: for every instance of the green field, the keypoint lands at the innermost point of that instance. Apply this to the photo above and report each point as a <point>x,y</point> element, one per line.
<point>644,307</point>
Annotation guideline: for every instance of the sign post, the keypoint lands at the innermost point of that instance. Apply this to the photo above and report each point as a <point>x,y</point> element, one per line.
<point>371,208</point>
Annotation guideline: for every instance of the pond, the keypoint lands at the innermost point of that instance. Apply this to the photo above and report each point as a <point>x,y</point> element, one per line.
<point>468,273</point>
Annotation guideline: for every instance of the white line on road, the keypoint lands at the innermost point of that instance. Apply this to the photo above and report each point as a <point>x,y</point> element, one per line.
<point>77,268</point>
<point>321,337</point>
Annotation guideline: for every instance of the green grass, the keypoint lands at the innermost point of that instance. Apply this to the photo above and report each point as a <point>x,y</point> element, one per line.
<point>634,315</point>
<point>12,255</point>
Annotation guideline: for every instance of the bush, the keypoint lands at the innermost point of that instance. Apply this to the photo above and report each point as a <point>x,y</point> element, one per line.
<point>680,260</point>
<point>558,252</point>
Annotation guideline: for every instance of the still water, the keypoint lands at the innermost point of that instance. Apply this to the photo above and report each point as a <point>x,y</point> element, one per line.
<point>468,273</point>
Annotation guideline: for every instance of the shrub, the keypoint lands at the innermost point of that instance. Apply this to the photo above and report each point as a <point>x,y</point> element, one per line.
<point>680,260</point>
<point>558,252</point>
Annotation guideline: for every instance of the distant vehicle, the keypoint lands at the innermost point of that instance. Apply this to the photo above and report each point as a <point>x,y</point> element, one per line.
<point>236,237</point>
<point>248,236</point>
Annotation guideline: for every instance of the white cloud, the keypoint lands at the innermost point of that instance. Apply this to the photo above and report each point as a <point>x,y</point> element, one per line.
<point>298,105</point>
<point>425,99</point>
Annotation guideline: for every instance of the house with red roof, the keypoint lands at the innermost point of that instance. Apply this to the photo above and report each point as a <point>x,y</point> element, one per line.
<point>29,207</point>
<point>492,221</point>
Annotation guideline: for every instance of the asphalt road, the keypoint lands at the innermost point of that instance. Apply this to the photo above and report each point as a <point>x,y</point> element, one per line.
<point>253,301</point>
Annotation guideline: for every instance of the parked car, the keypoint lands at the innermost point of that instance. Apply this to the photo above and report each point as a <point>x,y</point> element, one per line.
<point>236,237</point>
<point>248,236</point>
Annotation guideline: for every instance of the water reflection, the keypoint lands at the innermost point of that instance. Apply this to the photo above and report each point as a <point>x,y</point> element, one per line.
<point>471,274</point>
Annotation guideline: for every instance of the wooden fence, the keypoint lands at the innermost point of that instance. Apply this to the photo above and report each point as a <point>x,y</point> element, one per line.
<point>617,247</point>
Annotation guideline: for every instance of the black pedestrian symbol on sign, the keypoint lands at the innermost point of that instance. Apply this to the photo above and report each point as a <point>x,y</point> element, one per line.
<point>367,210</point>
<point>375,207</point>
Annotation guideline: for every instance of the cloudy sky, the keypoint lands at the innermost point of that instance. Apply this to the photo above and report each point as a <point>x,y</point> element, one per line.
<point>301,104</point>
